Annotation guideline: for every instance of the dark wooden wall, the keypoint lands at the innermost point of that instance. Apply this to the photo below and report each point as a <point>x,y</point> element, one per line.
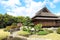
<point>47,22</point>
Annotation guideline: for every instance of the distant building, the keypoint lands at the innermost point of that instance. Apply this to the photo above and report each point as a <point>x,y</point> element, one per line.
<point>46,18</point>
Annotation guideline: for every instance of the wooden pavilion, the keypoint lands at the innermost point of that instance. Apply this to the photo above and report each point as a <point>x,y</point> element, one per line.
<point>46,18</point>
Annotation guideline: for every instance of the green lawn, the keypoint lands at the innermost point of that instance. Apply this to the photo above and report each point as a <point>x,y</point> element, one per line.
<point>3,34</point>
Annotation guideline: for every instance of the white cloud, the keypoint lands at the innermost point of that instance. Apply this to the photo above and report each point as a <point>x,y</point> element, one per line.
<point>52,5</point>
<point>58,14</point>
<point>29,9</point>
<point>55,1</point>
<point>17,11</point>
<point>10,3</point>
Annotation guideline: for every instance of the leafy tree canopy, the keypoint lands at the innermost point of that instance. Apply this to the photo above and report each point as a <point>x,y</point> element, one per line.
<point>7,20</point>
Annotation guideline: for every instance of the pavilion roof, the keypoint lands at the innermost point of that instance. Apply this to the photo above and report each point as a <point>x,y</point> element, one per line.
<point>44,13</point>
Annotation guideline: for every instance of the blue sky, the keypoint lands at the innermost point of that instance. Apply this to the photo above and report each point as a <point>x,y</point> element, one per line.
<point>28,7</point>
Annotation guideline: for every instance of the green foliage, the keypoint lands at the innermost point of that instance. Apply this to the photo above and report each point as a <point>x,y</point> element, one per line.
<point>7,20</point>
<point>29,30</point>
<point>11,27</point>
<point>58,30</point>
<point>49,31</point>
<point>38,27</point>
<point>42,33</point>
<point>20,19</point>
<point>31,25</point>
<point>27,21</point>
<point>7,28</point>
<point>24,29</point>
<point>23,33</point>
<point>14,25</point>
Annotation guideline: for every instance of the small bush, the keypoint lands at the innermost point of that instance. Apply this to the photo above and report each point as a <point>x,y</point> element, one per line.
<point>7,28</point>
<point>14,25</point>
<point>49,31</point>
<point>38,27</point>
<point>58,30</point>
<point>24,29</point>
<point>42,33</point>
<point>10,27</point>
<point>23,33</point>
<point>29,29</point>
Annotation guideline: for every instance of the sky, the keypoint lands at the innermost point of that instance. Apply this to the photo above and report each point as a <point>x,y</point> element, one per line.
<point>28,7</point>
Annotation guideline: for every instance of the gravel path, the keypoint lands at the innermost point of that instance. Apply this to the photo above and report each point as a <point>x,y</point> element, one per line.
<point>38,39</point>
<point>16,35</point>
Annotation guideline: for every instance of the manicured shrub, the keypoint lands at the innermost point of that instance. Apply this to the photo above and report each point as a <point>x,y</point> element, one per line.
<point>24,33</point>
<point>29,29</point>
<point>7,28</point>
<point>24,29</point>
<point>38,27</point>
<point>42,33</point>
<point>58,30</point>
<point>49,31</point>
<point>14,25</point>
<point>10,27</point>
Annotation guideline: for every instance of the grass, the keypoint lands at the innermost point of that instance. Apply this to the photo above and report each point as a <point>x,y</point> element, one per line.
<point>3,34</point>
<point>42,33</point>
<point>23,33</point>
<point>52,36</point>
